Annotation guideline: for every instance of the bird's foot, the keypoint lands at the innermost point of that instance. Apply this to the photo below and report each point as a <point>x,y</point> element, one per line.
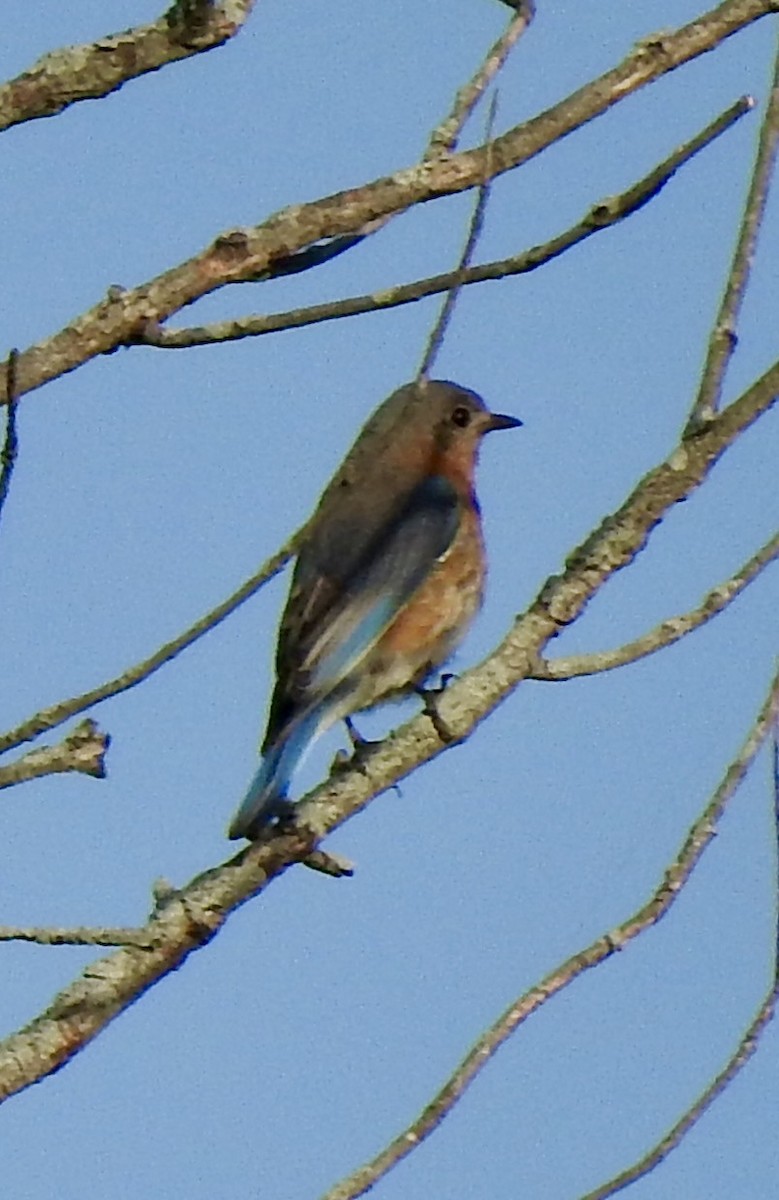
<point>277,819</point>
<point>362,748</point>
<point>429,697</point>
<point>360,745</point>
<point>284,813</point>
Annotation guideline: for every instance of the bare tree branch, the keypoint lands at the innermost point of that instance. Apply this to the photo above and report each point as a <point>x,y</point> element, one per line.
<point>86,72</point>
<point>667,632</point>
<point>723,339</point>
<point>445,136</point>
<point>607,212</point>
<point>56,714</point>
<point>186,922</point>
<point>11,443</point>
<point>738,1060</point>
<point>744,1051</point>
<point>83,750</point>
<point>249,253</point>
<point>680,870</point>
<point>193,916</point>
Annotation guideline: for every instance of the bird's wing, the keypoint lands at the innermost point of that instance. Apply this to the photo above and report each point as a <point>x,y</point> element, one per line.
<point>339,606</point>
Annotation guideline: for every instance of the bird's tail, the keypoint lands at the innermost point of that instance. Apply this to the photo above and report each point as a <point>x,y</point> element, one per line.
<point>266,797</point>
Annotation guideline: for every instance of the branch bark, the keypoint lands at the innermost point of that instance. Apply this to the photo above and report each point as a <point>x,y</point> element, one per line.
<point>83,751</point>
<point>86,72</point>
<point>80,936</point>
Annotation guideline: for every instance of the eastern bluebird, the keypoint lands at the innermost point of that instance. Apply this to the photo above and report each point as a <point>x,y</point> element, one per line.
<point>389,577</point>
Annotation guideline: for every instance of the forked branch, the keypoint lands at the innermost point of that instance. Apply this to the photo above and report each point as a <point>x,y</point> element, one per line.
<point>724,338</point>
<point>250,253</point>
<point>601,216</point>
<point>82,751</point>
<point>667,632</point>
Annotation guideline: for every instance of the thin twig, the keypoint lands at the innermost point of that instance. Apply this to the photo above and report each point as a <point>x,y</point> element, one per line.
<point>607,212</point>
<point>50,718</point>
<point>676,876</point>
<point>443,139</point>
<point>746,1047</point>
<point>83,750</point>
<point>11,443</point>
<point>438,332</point>
<point>744,1051</point>
<point>321,252</point>
<point>664,634</point>
<point>334,865</point>
<point>724,338</point>
<point>79,936</point>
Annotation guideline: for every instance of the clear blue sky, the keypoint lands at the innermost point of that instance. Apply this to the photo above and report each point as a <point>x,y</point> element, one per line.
<point>151,483</point>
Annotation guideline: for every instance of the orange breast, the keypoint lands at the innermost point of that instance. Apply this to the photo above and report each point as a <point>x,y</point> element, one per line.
<point>438,615</point>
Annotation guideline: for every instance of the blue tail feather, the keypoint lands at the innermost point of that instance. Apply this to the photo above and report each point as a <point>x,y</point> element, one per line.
<point>266,797</point>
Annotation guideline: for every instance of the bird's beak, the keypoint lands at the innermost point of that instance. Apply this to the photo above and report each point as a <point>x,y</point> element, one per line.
<point>501,421</point>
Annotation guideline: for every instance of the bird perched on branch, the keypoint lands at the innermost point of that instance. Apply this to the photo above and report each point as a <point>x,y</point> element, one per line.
<point>388,578</point>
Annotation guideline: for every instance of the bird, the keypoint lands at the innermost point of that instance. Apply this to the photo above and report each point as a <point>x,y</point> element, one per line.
<point>388,578</point>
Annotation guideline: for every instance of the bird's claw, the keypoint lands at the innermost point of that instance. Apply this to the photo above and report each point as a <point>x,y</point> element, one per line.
<point>429,697</point>
<point>362,748</point>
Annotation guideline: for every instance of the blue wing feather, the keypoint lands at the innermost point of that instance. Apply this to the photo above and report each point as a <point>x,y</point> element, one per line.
<point>401,559</point>
<point>322,652</point>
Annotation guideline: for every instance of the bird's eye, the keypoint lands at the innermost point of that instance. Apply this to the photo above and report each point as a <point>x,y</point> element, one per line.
<point>461,416</point>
